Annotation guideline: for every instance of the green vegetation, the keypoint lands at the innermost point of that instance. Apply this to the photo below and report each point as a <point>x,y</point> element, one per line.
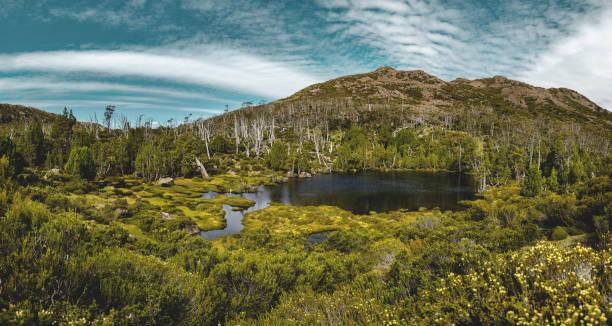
<point>80,163</point>
<point>109,256</point>
<point>558,233</point>
<point>277,158</point>
<point>88,237</point>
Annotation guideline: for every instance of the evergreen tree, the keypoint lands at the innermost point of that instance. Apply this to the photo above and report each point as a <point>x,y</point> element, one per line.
<point>277,157</point>
<point>219,144</point>
<point>81,163</point>
<point>385,136</point>
<point>532,183</point>
<point>33,145</point>
<point>405,137</point>
<point>352,154</point>
<point>61,138</point>
<point>553,183</point>
<point>577,172</point>
<point>8,149</point>
<point>554,159</point>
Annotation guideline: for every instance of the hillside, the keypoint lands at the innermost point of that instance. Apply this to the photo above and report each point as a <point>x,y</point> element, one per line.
<point>428,94</point>
<point>10,113</point>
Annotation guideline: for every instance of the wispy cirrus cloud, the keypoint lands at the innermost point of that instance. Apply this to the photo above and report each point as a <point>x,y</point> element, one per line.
<point>519,39</point>
<point>131,107</point>
<point>447,39</point>
<point>52,86</point>
<point>581,61</point>
<point>129,13</point>
<point>213,67</point>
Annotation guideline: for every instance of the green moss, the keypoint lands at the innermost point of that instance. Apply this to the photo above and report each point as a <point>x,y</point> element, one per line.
<point>236,201</point>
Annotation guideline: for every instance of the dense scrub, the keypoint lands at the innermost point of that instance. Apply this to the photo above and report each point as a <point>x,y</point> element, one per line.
<point>86,237</point>
<point>95,254</point>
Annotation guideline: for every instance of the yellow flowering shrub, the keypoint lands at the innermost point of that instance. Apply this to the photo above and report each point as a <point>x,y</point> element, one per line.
<point>542,285</point>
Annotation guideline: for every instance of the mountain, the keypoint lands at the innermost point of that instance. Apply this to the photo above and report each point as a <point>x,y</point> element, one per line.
<point>10,113</point>
<point>427,94</point>
<point>387,95</point>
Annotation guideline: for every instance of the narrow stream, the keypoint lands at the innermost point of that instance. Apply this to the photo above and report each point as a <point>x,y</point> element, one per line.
<point>234,217</point>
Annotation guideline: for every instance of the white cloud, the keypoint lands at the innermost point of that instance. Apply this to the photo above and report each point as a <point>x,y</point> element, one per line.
<point>126,105</point>
<point>202,65</point>
<point>44,86</point>
<point>457,39</point>
<point>582,61</point>
<point>129,13</point>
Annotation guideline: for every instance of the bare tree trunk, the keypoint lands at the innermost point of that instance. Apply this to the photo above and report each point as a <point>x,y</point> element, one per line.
<point>202,168</point>
<point>236,133</point>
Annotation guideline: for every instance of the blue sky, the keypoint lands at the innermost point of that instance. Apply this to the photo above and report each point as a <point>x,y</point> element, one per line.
<point>167,59</point>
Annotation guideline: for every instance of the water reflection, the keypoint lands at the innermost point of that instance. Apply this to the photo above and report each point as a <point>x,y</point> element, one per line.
<point>377,191</point>
<point>234,218</point>
<point>359,193</point>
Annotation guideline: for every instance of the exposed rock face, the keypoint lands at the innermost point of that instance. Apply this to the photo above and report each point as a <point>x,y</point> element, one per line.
<point>166,216</point>
<point>165,182</point>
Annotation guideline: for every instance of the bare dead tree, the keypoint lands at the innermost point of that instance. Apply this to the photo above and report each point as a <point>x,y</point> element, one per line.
<point>202,168</point>
<point>236,133</point>
<point>125,125</point>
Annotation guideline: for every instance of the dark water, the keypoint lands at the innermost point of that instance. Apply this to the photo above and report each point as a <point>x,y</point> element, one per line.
<point>319,237</point>
<point>234,218</point>
<point>377,191</point>
<point>358,193</point>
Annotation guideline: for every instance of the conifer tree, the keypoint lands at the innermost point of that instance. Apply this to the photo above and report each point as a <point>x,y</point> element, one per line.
<point>532,184</point>
<point>81,163</point>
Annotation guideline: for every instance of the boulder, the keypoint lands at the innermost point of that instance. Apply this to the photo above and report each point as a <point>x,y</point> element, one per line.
<point>165,182</point>
<point>192,229</point>
<point>304,175</point>
<point>166,216</point>
<point>122,213</point>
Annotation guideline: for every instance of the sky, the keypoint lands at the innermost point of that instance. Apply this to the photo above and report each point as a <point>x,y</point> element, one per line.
<point>191,58</point>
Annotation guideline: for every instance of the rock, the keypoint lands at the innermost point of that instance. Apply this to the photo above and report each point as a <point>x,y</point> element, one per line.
<point>55,171</point>
<point>166,216</point>
<point>291,174</point>
<point>192,229</point>
<point>121,213</point>
<point>165,182</point>
<point>304,175</point>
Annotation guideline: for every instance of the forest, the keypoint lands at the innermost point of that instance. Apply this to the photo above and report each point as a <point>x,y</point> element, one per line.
<point>89,237</point>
